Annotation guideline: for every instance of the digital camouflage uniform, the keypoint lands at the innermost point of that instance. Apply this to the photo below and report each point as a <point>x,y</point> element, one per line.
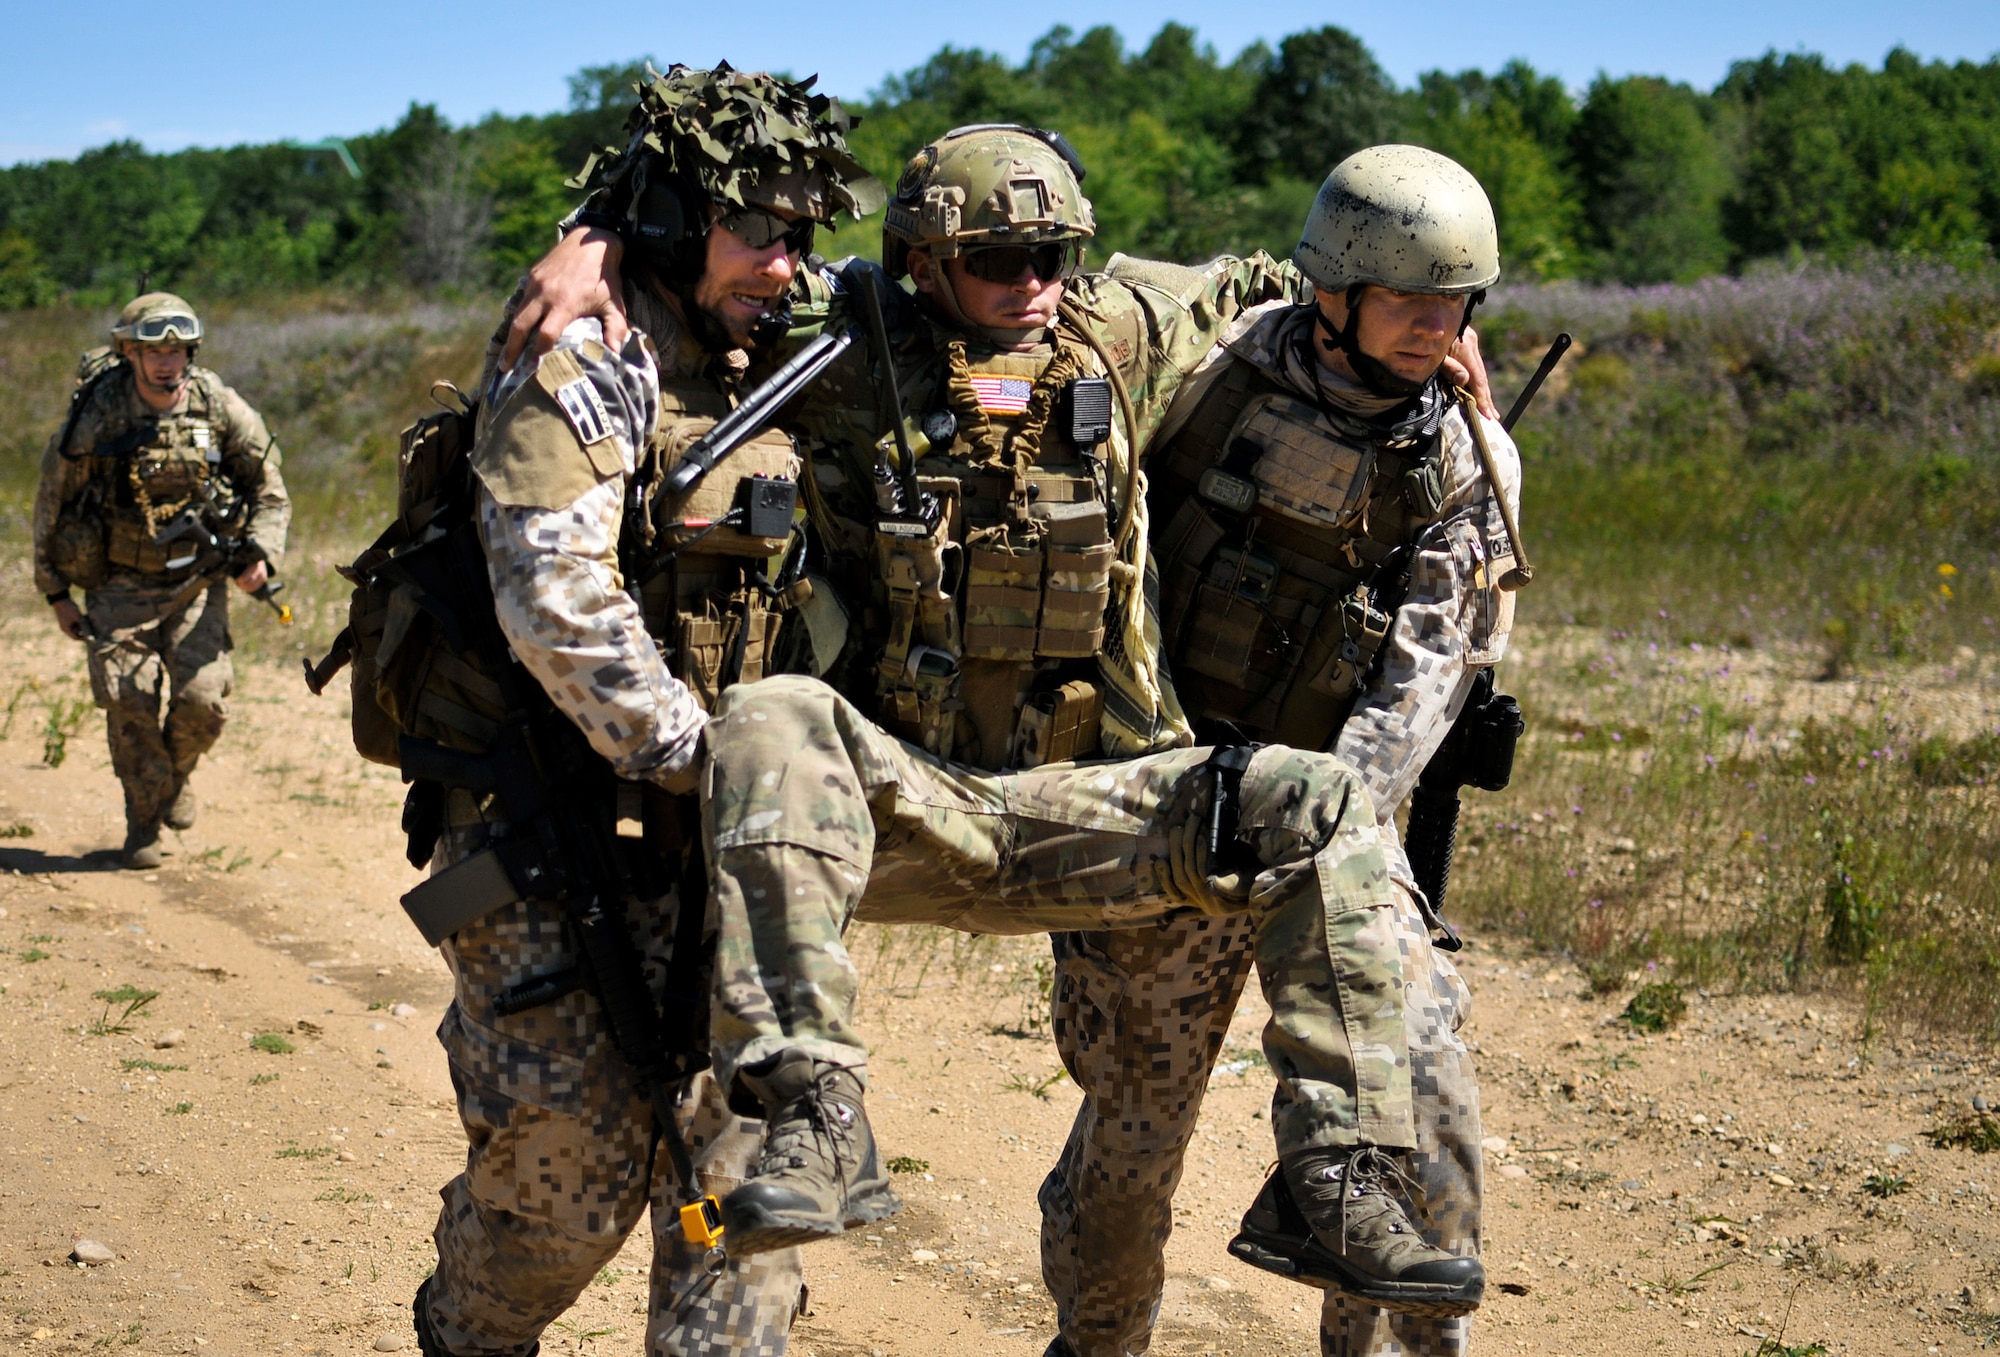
<point>158,630</point>
<point>1140,1016</point>
<point>565,1155</point>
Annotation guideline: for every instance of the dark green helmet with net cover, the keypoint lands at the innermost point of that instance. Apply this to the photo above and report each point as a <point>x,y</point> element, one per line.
<point>724,138</point>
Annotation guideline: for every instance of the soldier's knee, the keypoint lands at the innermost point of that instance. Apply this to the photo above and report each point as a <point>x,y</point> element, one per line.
<point>789,712</point>
<point>1314,797</point>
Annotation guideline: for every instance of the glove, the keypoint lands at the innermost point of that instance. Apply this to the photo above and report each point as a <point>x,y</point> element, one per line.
<point>1191,878</point>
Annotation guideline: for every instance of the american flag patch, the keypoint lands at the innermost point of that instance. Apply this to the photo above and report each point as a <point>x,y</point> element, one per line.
<point>1002,395</point>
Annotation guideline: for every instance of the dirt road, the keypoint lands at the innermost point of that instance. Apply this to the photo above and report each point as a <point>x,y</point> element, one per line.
<point>260,1144</point>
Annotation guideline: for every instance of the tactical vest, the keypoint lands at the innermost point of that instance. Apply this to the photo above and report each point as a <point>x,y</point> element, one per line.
<point>1280,553</point>
<point>163,465</point>
<point>995,611</point>
<point>710,602</point>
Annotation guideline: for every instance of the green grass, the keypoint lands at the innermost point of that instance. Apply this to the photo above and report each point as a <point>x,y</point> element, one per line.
<point>151,1066</point>
<point>1975,1131</point>
<point>272,1044</point>
<point>903,1163</point>
<point>259,1080</point>
<point>135,1002</point>
<point>296,1151</point>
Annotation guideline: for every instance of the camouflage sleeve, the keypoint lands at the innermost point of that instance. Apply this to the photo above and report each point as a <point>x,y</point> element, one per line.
<point>62,480</point>
<point>1160,320</point>
<point>1454,622</point>
<point>557,589</point>
<point>252,461</point>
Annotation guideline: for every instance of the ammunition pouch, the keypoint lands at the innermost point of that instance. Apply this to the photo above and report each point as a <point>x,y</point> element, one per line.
<point>128,544</point>
<point>731,640</point>
<point>1058,726</point>
<point>1037,589</point>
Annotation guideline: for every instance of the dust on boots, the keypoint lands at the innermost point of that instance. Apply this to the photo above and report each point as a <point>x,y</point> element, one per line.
<point>819,1174</point>
<point>1331,1218</point>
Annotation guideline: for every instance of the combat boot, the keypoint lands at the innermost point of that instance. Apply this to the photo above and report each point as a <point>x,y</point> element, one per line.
<point>142,847</point>
<point>1331,1218</point>
<point>181,806</point>
<point>819,1174</point>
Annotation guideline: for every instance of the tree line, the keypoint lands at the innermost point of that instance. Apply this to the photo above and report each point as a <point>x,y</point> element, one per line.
<point>1640,180</point>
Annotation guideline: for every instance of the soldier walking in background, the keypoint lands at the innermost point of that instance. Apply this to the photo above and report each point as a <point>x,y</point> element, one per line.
<point>161,486</point>
<point>1330,546</point>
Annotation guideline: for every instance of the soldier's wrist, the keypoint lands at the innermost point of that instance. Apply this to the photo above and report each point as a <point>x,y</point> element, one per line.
<point>57,599</point>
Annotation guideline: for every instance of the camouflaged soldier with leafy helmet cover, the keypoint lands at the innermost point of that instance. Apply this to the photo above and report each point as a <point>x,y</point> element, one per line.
<point>633,621</point>
<point>156,454</point>
<point>1333,553</point>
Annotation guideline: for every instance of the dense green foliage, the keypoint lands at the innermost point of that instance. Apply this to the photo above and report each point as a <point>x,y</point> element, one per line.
<point>1642,180</point>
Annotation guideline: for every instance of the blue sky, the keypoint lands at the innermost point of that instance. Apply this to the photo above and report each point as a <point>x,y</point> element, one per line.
<point>228,71</point>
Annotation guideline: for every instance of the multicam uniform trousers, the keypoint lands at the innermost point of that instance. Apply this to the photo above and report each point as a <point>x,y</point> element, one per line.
<point>816,817</point>
<point>564,1157</point>
<point>1140,1017</point>
<point>150,638</point>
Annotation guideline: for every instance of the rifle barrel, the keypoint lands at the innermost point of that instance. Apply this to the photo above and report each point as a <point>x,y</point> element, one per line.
<point>1548,365</point>
<point>743,423</point>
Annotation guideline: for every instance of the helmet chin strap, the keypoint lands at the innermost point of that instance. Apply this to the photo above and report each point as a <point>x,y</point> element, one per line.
<point>1372,372</point>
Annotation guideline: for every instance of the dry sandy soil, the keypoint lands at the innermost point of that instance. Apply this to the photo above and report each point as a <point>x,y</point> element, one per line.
<point>1693,1192</point>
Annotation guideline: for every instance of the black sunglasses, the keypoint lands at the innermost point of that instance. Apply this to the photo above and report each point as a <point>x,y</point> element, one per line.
<point>760,230</point>
<point>1006,263</point>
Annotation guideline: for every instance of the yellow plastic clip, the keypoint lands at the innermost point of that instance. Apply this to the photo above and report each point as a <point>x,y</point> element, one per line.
<point>701,1222</point>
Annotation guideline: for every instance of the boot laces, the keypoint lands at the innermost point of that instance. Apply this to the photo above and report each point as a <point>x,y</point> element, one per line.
<point>816,1118</point>
<point>1371,1172</point>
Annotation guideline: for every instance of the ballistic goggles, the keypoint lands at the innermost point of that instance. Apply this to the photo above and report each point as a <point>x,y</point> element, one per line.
<point>1006,263</point>
<point>166,328</point>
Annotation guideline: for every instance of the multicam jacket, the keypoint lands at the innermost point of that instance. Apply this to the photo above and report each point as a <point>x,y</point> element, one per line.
<point>1155,322</point>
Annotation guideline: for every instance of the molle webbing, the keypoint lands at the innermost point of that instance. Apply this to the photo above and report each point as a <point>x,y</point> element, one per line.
<point>1270,615</point>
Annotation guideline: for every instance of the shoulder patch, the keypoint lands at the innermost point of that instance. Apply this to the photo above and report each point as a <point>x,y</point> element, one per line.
<point>563,378</point>
<point>535,454</point>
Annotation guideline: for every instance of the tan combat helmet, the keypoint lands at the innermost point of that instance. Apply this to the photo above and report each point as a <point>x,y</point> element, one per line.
<point>987,184</point>
<point>1404,218</point>
<point>157,318</point>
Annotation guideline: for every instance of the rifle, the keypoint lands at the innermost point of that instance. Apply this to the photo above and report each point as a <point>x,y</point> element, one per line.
<point>558,801</point>
<point>747,420</point>
<point>1478,752</point>
<point>212,555</point>
<point>1479,749</point>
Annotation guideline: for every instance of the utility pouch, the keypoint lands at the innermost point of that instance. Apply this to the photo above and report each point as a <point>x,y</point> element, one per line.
<point>919,699</point>
<point>727,642</point>
<point>1059,726</point>
<point>1354,630</point>
<point>1230,634</point>
<point>679,518</point>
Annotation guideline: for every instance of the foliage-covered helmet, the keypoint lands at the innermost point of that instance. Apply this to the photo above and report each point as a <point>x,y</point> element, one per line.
<point>1404,218</point>
<point>987,184</point>
<point>731,138</point>
<point>157,318</point>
